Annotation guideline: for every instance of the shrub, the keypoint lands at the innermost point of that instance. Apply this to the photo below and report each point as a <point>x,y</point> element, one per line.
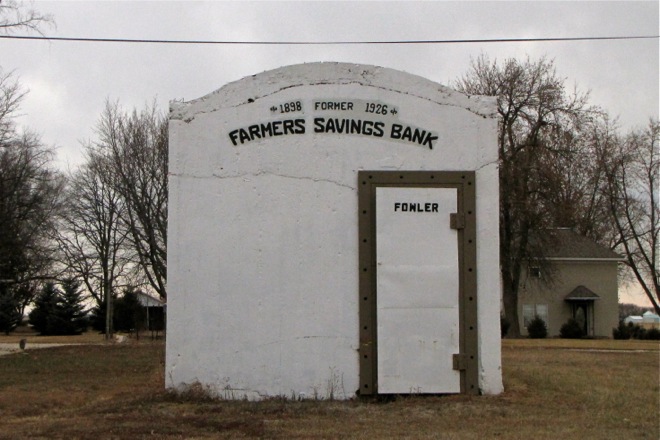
<point>571,330</point>
<point>537,329</point>
<point>622,331</point>
<point>630,330</point>
<point>636,331</point>
<point>653,334</point>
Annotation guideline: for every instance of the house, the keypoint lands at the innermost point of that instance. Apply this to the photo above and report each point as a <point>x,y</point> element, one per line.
<point>650,320</point>
<point>155,312</point>
<point>579,282</point>
<point>634,319</point>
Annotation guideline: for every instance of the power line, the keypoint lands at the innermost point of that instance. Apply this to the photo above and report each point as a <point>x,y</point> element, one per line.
<point>326,43</point>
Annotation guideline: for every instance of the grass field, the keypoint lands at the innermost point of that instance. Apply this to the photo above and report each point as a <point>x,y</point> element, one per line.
<point>555,389</point>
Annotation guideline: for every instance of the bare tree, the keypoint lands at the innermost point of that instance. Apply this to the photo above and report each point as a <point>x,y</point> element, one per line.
<point>29,201</point>
<point>536,116</point>
<point>26,184</point>
<point>135,146</point>
<point>574,179</point>
<point>29,192</point>
<point>14,15</point>
<point>11,95</point>
<point>91,235</point>
<point>92,238</point>
<point>632,166</point>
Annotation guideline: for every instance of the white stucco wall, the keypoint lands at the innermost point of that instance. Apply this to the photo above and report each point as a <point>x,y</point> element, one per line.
<point>262,244</point>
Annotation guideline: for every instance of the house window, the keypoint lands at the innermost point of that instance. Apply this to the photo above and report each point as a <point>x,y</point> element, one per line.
<point>535,272</point>
<point>532,310</point>
<point>542,312</point>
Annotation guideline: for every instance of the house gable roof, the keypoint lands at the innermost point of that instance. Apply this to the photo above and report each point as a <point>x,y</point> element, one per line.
<point>581,293</point>
<point>569,245</point>
<point>148,300</point>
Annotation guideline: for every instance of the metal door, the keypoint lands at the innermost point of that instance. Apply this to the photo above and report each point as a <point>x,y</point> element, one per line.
<point>417,290</point>
<point>418,284</point>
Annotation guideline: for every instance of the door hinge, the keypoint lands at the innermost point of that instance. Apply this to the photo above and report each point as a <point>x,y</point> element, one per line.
<point>457,220</point>
<point>460,362</point>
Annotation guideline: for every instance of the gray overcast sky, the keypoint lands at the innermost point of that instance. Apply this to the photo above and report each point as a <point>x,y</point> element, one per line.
<point>70,81</point>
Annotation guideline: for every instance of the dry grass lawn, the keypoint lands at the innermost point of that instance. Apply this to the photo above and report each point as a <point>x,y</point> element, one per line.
<point>554,390</point>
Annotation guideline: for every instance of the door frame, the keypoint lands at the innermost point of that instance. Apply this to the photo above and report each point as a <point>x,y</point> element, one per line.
<point>464,221</point>
<point>588,308</point>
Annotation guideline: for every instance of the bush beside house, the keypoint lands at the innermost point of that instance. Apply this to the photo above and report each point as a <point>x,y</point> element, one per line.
<point>537,328</point>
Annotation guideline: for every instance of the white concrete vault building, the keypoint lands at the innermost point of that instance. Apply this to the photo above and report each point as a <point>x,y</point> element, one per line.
<point>333,232</point>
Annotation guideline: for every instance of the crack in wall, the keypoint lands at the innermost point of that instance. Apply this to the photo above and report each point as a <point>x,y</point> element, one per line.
<point>266,173</point>
<point>487,164</point>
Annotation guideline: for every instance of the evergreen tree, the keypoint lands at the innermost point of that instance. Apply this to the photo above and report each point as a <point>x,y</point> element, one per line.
<point>10,316</point>
<point>70,312</point>
<point>129,313</point>
<point>58,312</point>
<point>42,318</point>
<point>97,317</point>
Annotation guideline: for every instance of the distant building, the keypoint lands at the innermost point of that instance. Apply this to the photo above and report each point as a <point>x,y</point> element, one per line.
<point>580,283</point>
<point>155,312</point>
<point>634,319</point>
<point>650,320</point>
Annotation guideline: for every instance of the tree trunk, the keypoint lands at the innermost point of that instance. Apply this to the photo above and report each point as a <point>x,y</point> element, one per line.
<point>510,302</point>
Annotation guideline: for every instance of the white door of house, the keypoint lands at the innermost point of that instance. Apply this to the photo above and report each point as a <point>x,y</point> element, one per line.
<point>417,290</point>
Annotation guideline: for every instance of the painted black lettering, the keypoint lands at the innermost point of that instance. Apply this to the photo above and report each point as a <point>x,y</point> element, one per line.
<point>318,125</point>
<point>277,128</point>
<point>395,133</point>
<point>332,105</point>
<point>300,126</point>
<point>244,135</point>
<point>266,130</point>
<point>367,128</point>
<point>288,126</point>
<point>330,126</point>
<point>429,140</point>
<point>415,207</point>
<point>407,134</point>
<point>254,132</point>
<point>356,126</point>
<point>379,129</point>
<point>233,135</point>
<point>418,136</point>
